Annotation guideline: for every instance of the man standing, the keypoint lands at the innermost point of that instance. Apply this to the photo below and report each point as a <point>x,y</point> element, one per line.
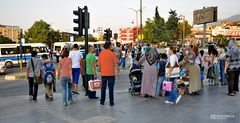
<point>32,71</point>
<point>76,56</point>
<point>107,64</point>
<point>91,71</point>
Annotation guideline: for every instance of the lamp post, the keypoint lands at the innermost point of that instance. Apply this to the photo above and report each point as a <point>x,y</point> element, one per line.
<point>141,19</point>
<point>136,18</point>
<point>182,20</point>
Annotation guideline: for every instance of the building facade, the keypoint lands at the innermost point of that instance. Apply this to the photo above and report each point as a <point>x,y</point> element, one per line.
<point>128,34</point>
<point>12,32</point>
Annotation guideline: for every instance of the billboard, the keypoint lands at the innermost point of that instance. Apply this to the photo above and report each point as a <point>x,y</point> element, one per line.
<point>205,15</point>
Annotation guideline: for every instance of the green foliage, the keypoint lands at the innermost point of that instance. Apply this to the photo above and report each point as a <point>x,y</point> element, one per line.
<point>160,31</point>
<point>41,32</point>
<point>148,31</point>
<point>5,40</point>
<point>172,25</point>
<point>91,38</point>
<point>221,40</point>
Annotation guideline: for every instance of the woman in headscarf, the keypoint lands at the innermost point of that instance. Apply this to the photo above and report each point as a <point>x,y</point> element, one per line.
<point>213,53</point>
<point>150,73</point>
<point>232,67</point>
<point>194,71</point>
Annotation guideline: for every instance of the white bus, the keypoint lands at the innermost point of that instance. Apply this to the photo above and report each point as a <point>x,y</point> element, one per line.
<point>10,53</point>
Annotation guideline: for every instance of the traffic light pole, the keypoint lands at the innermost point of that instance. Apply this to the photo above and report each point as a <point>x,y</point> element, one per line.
<point>86,17</point>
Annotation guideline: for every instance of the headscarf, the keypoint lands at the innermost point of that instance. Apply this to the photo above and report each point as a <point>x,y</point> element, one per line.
<point>233,50</point>
<point>189,54</point>
<point>151,56</point>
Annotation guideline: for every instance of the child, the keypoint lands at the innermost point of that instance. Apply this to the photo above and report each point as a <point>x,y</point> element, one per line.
<point>161,73</point>
<point>49,75</point>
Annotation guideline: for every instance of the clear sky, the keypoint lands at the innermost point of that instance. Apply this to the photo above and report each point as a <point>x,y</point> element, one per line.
<point>103,13</point>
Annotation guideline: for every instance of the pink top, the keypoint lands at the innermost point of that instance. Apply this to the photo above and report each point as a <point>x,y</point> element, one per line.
<point>65,64</point>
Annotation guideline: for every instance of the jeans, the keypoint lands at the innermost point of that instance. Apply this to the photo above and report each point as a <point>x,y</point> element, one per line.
<point>66,90</point>
<point>91,94</point>
<point>222,74</point>
<point>173,94</point>
<point>110,80</point>
<point>119,60</point>
<point>123,61</point>
<point>33,88</point>
<point>159,85</point>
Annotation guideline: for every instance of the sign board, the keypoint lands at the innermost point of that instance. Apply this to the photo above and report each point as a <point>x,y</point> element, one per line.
<point>205,15</point>
<point>231,32</point>
<point>71,39</point>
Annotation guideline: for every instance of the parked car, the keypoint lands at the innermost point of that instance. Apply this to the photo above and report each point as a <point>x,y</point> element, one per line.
<point>2,68</point>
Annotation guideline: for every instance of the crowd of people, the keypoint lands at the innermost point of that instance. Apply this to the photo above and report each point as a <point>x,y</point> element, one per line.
<point>186,66</point>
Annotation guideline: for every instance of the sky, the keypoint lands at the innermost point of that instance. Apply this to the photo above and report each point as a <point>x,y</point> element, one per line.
<point>114,14</point>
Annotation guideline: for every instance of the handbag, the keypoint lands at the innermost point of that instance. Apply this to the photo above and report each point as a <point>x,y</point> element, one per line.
<point>167,86</point>
<point>37,80</point>
<point>175,71</point>
<point>207,58</point>
<point>210,73</point>
<point>93,85</point>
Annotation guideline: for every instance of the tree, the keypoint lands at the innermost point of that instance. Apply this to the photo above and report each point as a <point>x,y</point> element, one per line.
<point>41,32</point>
<point>5,40</point>
<point>91,38</point>
<point>53,36</point>
<point>184,27</point>
<point>148,31</point>
<point>172,25</point>
<point>160,31</point>
<point>221,40</point>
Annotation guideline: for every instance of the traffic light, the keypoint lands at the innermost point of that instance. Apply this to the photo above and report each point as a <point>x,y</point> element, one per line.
<point>79,21</point>
<point>82,20</point>
<point>107,34</point>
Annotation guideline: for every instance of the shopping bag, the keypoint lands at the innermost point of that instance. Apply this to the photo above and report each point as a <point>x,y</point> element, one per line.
<point>93,85</point>
<point>167,86</point>
<point>207,58</point>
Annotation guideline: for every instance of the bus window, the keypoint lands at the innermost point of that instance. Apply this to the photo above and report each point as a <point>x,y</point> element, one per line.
<point>43,50</point>
<point>8,51</point>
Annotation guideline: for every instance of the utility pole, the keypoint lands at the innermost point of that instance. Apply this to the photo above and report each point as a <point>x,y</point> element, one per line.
<point>141,20</point>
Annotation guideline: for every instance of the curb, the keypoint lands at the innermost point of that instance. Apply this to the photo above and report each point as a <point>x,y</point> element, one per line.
<point>14,77</point>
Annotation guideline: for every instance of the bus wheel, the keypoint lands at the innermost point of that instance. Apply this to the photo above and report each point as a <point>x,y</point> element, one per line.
<point>8,64</point>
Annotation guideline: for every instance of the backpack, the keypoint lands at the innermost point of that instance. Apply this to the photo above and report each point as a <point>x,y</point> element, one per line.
<point>48,76</point>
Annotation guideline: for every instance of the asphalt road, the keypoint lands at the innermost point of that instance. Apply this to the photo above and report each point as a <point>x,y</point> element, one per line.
<point>211,106</point>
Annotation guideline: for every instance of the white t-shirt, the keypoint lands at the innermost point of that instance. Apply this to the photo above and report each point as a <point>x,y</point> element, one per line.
<point>173,59</point>
<point>76,58</point>
<point>198,59</point>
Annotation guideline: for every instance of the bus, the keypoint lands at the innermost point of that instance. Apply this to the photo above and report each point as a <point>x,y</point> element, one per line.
<point>10,53</point>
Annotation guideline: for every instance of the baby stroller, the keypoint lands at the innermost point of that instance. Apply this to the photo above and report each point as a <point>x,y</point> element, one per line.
<point>135,77</point>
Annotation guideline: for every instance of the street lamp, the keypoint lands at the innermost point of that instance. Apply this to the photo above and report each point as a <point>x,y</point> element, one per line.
<point>136,11</point>
<point>182,20</point>
<point>136,18</point>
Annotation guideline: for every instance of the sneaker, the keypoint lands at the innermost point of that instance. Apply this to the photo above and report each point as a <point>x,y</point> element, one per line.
<point>34,101</point>
<point>168,102</point>
<point>178,98</point>
<point>30,97</point>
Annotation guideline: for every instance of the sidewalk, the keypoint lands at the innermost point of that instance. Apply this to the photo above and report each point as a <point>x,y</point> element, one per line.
<point>212,106</point>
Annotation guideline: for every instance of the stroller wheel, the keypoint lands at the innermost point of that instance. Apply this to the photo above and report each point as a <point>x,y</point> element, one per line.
<point>129,90</point>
